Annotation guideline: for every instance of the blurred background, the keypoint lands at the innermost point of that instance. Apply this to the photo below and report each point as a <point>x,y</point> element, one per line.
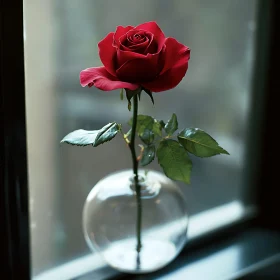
<point>61,39</point>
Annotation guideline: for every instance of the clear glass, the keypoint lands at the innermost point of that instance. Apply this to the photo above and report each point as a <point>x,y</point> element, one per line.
<point>60,40</point>
<point>110,214</point>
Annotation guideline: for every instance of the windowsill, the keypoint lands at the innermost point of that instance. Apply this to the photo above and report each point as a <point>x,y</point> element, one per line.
<point>234,258</point>
<point>201,225</point>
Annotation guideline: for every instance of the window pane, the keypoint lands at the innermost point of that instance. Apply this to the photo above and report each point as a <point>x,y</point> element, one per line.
<point>61,39</point>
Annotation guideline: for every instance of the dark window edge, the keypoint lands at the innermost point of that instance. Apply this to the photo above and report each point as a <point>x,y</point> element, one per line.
<point>13,155</point>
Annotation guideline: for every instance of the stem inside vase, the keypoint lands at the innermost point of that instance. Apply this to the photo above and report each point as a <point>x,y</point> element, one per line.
<point>136,178</point>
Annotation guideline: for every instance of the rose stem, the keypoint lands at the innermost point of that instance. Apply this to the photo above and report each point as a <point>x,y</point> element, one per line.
<point>135,171</point>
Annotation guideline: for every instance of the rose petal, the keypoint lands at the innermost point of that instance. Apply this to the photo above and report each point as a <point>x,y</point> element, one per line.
<point>125,45</point>
<point>100,78</point>
<point>144,45</point>
<point>135,37</point>
<point>152,27</point>
<point>125,56</point>
<point>140,48</point>
<point>172,77</point>
<point>173,53</point>
<point>119,32</point>
<point>107,53</point>
<point>139,70</point>
<point>152,48</point>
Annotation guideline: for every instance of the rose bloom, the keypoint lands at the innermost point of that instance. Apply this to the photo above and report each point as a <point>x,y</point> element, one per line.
<point>136,57</point>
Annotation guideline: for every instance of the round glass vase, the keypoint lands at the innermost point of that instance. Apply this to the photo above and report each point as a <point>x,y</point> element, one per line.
<point>111,221</point>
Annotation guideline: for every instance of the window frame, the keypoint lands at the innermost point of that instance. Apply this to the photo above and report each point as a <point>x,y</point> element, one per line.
<point>13,153</point>
<point>13,150</point>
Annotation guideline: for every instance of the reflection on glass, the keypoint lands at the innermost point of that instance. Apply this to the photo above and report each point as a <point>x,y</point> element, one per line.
<point>61,39</point>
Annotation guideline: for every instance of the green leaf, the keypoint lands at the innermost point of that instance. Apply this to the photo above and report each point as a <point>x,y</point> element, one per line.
<point>83,137</point>
<point>172,125</point>
<point>106,133</point>
<point>147,137</point>
<point>148,155</point>
<point>150,94</point>
<point>162,123</point>
<point>199,143</point>
<point>174,160</point>
<point>146,122</point>
<point>80,137</point>
<point>121,94</point>
<point>157,128</point>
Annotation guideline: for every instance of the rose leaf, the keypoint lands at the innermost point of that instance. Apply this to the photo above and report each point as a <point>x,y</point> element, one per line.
<point>83,137</point>
<point>148,155</point>
<point>162,123</point>
<point>172,125</point>
<point>147,122</point>
<point>199,143</point>
<point>147,136</point>
<point>174,160</point>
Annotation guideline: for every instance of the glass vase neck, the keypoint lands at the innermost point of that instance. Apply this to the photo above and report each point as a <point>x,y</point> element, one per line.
<point>148,188</point>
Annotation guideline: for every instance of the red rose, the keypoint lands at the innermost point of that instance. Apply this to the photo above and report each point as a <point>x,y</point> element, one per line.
<point>136,57</point>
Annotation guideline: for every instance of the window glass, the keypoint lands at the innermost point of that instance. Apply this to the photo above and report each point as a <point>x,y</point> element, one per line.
<point>60,40</point>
